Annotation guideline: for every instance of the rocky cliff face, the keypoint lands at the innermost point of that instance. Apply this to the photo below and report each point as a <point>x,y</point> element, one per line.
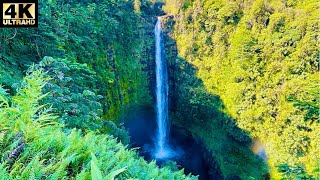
<point>148,58</point>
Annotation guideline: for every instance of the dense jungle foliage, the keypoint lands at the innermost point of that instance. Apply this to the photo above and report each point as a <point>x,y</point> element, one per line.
<point>261,58</point>
<point>85,66</point>
<point>244,80</point>
<point>107,38</point>
<point>35,146</point>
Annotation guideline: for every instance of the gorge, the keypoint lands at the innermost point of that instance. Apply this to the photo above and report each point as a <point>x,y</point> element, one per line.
<point>165,90</point>
<point>148,127</point>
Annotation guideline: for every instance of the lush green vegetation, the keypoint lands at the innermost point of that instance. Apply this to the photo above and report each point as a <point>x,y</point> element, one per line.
<point>63,124</point>
<point>246,72</point>
<point>261,58</point>
<point>35,146</point>
<point>108,38</point>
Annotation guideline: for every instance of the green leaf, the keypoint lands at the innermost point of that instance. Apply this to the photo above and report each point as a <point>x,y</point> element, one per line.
<point>95,171</point>
<point>115,173</point>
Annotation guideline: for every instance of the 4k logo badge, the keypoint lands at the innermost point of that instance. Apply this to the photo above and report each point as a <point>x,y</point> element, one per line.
<point>19,13</point>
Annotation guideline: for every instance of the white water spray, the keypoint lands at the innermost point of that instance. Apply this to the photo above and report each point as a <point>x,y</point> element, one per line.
<point>162,149</point>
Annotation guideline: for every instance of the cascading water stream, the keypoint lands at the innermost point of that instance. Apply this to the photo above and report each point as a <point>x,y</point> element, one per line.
<point>153,135</point>
<point>162,149</point>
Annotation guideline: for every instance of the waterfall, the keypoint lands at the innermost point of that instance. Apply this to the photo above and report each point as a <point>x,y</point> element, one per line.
<point>162,88</point>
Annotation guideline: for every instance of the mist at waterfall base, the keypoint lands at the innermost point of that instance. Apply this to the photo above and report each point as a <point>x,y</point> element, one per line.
<point>189,154</point>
